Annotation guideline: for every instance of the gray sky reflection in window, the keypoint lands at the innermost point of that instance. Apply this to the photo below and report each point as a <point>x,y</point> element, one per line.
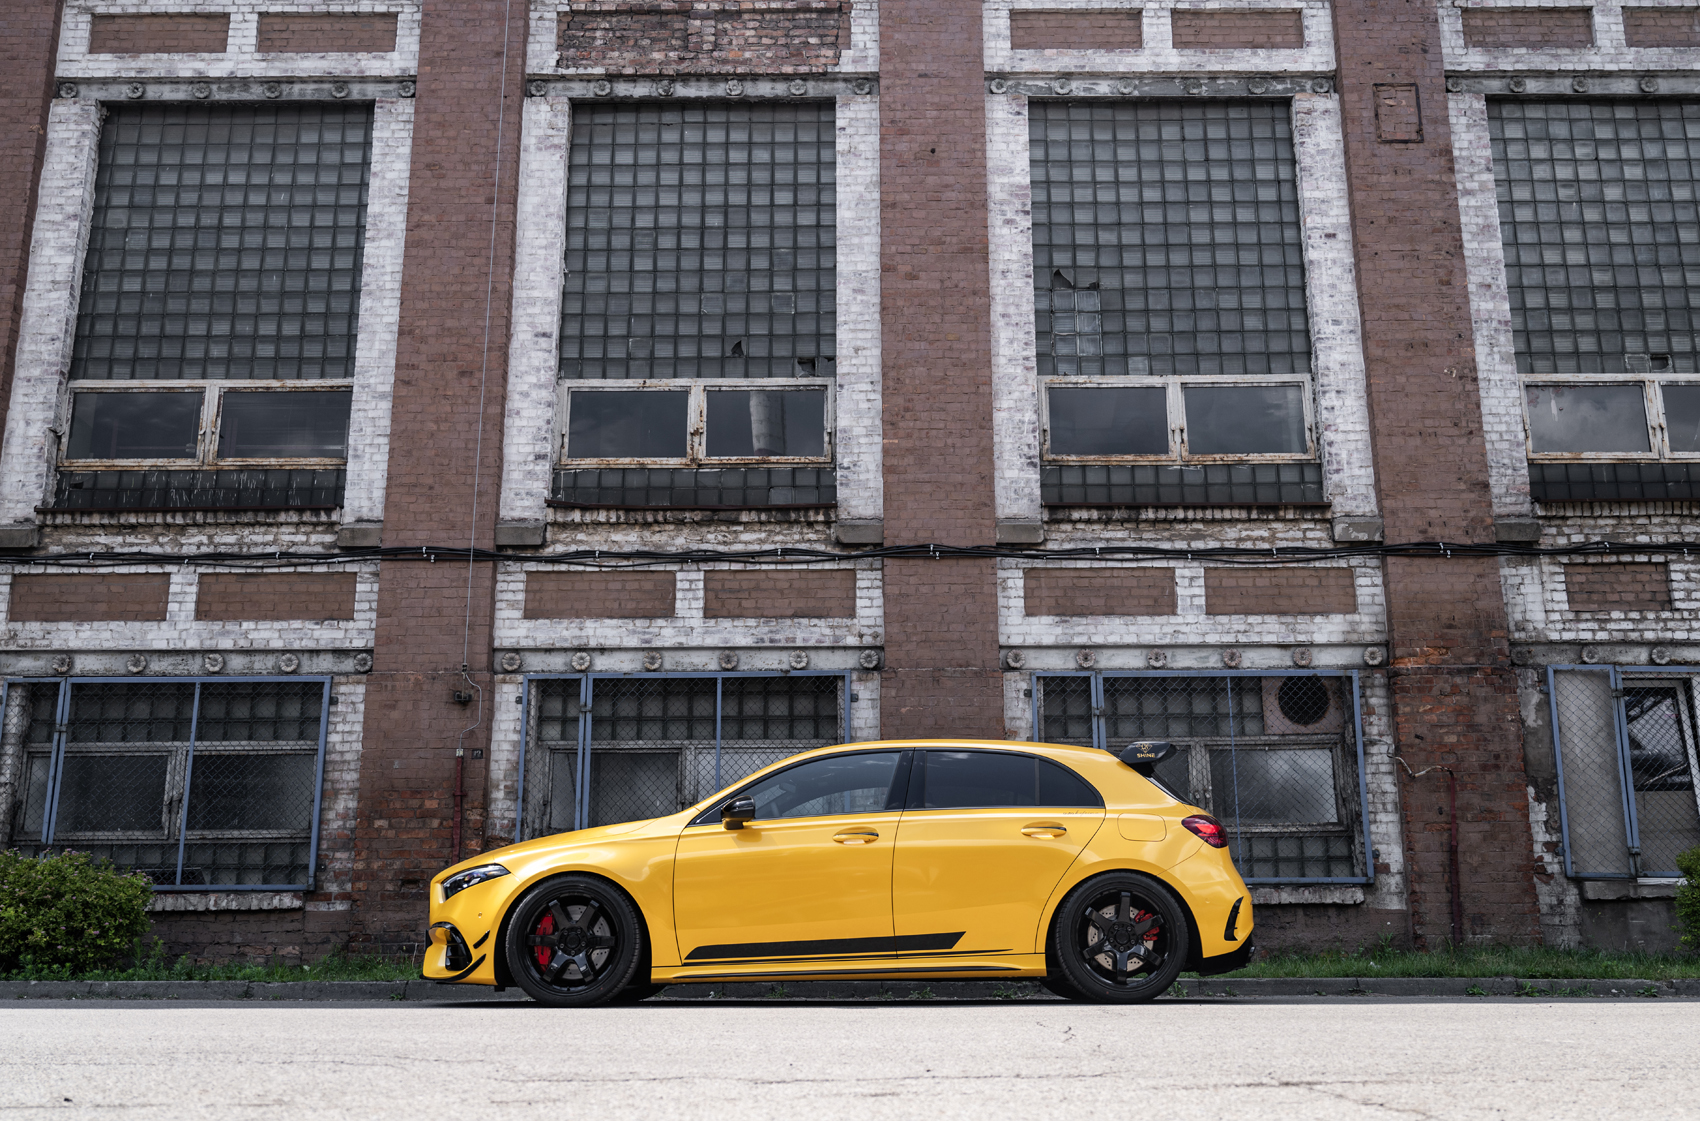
<point>1245,419</point>
<point>134,425</point>
<point>301,425</point>
<point>1682,417</point>
<point>1587,418</point>
<point>621,424</point>
<point>839,784</point>
<point>1108,420</point>
<point>744,423</point>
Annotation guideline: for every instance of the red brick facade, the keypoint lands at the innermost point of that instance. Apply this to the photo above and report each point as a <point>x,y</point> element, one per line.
<point>1041,29</point>
<point>779,594</point>
<point>1215,30</point>
<point>1661,27</point>
<point>1529,27</point>
<point>1099,591</point>
<point>275,596</point>
<point>635,594</point>
<point>677,37</point>
<point>1618,587</point>
<point>1279,591</point>
<point>55,598</point>
<point>159,34</point>
<point>325,33</point>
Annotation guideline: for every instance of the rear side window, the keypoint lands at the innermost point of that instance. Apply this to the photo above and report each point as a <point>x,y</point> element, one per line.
<point>990,779</point>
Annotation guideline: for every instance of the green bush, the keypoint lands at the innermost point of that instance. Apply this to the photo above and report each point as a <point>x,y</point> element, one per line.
<point>67,912</point>
<point>1688,898</point>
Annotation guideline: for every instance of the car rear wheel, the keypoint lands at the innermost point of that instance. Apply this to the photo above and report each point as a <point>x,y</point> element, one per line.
<point>574,941</point>
<point>1120,938</point>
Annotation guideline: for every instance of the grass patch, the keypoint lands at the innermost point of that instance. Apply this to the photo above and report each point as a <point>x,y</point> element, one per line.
<point>1533,962</point>
<point>151,964</point>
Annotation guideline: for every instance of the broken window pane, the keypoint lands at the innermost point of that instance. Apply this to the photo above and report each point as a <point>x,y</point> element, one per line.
<point>134,425</point>
<point>1108,420</point>
<point>1587,418</point>
<point>744,423</point>
<point>1682,416</point>
<point>1245,420</point>
<point>298,425</point>
<point>627,424</point>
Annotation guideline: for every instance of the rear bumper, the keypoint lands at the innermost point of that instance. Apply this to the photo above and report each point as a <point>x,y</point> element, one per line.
<point>1228,962</point>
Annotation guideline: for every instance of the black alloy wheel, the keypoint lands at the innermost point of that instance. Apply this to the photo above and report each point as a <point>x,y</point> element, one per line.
<point>574,942</point>
<point>1120,938</point>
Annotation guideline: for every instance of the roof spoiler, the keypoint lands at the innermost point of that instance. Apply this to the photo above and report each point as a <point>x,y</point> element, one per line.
<point>1144,755</point>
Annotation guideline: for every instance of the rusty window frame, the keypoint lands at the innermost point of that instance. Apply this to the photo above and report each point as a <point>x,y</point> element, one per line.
<point>1174,386</point>
<point>1652,398</point>
<point>212,408</point>
<point>695,419</point>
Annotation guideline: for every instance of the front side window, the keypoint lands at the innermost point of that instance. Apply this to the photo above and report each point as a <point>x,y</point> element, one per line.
<point>700,262</point>
<point>225,248</point>
<point>1169,303</point>
<point>838,784</point>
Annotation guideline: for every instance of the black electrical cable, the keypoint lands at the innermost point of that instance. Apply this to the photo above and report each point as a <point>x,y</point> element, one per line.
<point>791,555</point>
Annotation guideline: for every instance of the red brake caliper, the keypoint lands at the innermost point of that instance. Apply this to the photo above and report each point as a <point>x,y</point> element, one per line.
<point>1150,935</point>
<point>544,953</point>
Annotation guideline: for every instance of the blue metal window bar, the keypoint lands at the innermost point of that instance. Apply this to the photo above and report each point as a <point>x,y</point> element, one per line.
<point>1624,741</point>
<point>1092,708</point>
<point>576,741</point>
<point>250,816</point>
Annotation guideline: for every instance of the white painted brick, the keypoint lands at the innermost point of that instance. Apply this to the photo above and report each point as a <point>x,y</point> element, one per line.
<point>1159,54</point>
<point>1609,51</point>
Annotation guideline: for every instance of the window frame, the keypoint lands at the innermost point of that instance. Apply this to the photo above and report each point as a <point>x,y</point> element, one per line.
<point>1174,401</point>
<point>180,756</point>
<point>207,434</point>
<point>696,420</point>
<point>1652,404</point>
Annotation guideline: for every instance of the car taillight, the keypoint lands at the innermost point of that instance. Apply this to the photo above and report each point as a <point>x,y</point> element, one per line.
<point>1207,828</point>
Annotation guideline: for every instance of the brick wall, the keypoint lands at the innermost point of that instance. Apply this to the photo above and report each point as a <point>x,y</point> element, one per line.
<point>326,33</point>
<point>429,620</point>
<point>1661,27</point>
<point>54,598</point>
<point>1279,591</point>
<point>942,673</point>
<point>1076,29</point>
<point>29,40</point>
<point>1617,587</point>
<point>1528,27</point>
<point>782,37</point>
<point>1098,591</point>
<point>784,593</point>
<point>599,595</point>
<point>1198,30</point>
<point>1454,698</point>
<point>161,34</point>
<point>275,595</point>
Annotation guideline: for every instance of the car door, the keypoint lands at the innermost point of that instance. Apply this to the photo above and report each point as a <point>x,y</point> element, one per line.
<point>809,877</point>
<point>985,838</point>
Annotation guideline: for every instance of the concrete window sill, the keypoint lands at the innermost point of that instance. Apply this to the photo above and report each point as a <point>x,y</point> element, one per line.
<point>172,901</point>
<point>1307,893</point>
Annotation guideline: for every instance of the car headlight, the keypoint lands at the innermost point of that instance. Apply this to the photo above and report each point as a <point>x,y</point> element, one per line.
<point>460,881</point>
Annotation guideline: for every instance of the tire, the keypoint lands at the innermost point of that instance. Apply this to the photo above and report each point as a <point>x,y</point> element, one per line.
<point>574,941</point>
<point>635,992</point>
<point>1120,939</point>
<point>1055,985</point>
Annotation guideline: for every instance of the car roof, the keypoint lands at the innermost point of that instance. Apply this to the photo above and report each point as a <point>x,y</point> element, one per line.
<point>1034,748</point>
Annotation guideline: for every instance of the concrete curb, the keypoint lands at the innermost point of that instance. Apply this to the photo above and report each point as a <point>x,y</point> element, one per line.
<point>1210,988</point>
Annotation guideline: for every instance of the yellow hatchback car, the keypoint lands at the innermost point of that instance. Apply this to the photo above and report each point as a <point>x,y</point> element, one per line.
<point>895,860</point>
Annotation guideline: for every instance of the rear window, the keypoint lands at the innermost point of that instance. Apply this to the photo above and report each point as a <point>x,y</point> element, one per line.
<point>990,779</point>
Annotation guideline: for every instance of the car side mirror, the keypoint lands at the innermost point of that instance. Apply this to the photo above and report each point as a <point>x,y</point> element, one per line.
<point>1144,755</point>
<point>736,813</point>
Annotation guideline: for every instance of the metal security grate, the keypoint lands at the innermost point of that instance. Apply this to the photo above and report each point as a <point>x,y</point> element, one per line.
<point>1276,757</point>
<point>275,488</point>
<point>226,242</point>
<point>1215,484</point>
<point>211,783</point>
<point>604,749</point>
<point>1598,214</point>
<point>730,487</point>
<point>1628,791</point>
<point>1166,238</point>
<point>700,241</point>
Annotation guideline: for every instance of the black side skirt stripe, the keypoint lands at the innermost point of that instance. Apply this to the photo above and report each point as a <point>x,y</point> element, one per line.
<point>934,970</point>
<point>825,947</point>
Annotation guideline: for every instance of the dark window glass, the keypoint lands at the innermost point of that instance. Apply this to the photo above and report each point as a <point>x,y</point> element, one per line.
<point>1598,215</point>
<point>1290,785</point>
<point>624,424</point>
<point>743,423</point>
<point>1682,416</point>
<point>1587,418</point>
<point>700,241</point>
<point>838,784</point>
<point>134,426</point>
<point>969,779</point>
<point>1245,419</point>
<point>1166,238</point>
<point>111,793</point>
<point>235,793</point>
<point>310,425</point>
<point>1059,786</point>
<point>226,242</point>
<point>1113,420</point>
<point>260,712</point>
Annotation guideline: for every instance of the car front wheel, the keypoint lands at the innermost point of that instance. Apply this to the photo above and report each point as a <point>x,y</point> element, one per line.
<point>1120,938</point>
<point>574,941</point>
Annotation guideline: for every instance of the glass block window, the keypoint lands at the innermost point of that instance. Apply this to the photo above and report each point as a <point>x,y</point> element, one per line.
<point>226,242</point>
<point>1598,215</point>
<point>700,241</point>
<point>1166,238</point>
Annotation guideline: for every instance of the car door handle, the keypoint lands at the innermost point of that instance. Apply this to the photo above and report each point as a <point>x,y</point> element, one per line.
<point>857,836</point>
<point>1047,829</point>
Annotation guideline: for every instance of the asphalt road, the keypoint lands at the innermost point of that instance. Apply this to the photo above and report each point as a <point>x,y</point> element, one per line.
<point>1354,1057</point>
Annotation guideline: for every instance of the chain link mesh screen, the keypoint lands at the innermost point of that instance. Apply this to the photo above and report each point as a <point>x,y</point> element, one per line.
<point>113,781</point>
<point>1659,721</point>
<point>653,744</point>
<point>1273,757</point>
